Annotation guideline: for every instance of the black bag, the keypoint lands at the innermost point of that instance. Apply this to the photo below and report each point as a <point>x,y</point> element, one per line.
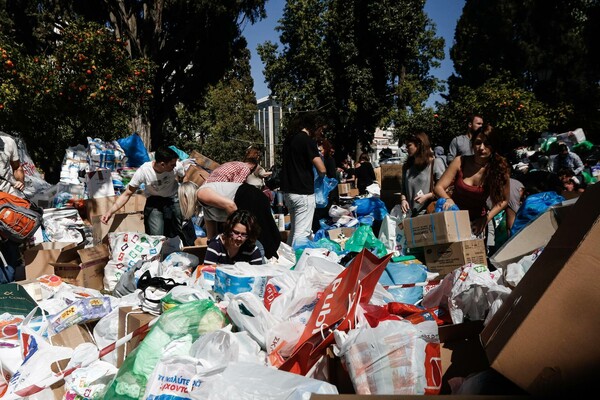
<point>273,182</point>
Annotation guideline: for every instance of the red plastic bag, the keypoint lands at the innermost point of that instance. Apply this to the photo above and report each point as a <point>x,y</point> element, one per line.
<point>336,309</point>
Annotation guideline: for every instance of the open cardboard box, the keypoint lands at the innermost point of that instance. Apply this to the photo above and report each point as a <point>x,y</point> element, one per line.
<point>83,267</point>
<point>37,258</point>
<point>544,336</point>
<point>335,234</point>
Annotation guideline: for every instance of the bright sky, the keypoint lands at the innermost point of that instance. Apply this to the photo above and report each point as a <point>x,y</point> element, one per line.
<point>444,14</point>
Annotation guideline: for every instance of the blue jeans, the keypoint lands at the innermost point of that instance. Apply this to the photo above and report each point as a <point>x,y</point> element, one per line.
<point>302,210</point>
<point>162,216</point>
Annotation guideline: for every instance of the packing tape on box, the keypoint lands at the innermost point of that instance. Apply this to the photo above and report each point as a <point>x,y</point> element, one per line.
<point>432,223</point>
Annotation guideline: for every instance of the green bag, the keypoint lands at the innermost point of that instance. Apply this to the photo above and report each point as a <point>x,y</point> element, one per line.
<point>185,322</point>
<point>364,238</point>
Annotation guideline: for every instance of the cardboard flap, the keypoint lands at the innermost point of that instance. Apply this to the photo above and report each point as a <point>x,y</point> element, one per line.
<point>91,254</point>
<point>70,254</point>
<point>52,246</point>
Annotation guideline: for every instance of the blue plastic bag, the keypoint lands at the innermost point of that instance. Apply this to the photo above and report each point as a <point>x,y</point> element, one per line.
<point>134,149</point>
<point>404,273</point>
<point>323,186</point>
<point>533,206</point>
<point>373,206</point>
<point>180,153</point>
<point>439,206</point>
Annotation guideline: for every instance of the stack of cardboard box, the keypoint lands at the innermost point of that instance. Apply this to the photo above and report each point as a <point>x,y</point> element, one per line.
<point>445,240</point>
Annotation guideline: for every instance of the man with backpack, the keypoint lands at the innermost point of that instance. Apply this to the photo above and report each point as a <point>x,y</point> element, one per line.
<point>12,181</point>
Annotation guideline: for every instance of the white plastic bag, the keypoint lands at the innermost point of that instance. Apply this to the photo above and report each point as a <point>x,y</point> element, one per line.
<point>392,358</point>
<point>246,381</point>
<point>249,314</point>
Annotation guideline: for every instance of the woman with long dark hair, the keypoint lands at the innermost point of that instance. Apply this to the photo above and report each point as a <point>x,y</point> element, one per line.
<point>484,174</point>
<point>420,168</point>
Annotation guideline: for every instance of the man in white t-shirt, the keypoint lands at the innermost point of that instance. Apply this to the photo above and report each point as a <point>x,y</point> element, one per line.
<point>162,214</point>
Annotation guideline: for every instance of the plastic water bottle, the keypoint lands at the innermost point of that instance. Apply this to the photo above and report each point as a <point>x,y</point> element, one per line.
<point>281,222</point>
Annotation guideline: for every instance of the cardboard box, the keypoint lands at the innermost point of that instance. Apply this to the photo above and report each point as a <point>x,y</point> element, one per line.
<point>391,177</point>
<point>101,205</point>
<point>461,351</point>
<point>198,251</point>
<point>544,336</point>
<point>378,175</point>
<point>133,222</point>
<point>344,188</point>
<point>71,337</point>
<point>437,228</point>
<point>37,258</point>
<point>390,198</point>
<point>196,174</point>
<point>334,234</point>
<point>534,235</point>
<point>204,162</point>
<point>130,320</point>
<point>445,258</point>
<point>353,193</point>
<point>284,236</point>
<point>200,241</point>
<point>83,267</point>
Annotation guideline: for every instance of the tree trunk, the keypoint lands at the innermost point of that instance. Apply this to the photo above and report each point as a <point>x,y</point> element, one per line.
<point>137,124</point>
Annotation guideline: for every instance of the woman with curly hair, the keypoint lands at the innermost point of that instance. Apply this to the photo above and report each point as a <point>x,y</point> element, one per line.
<point>237,242</point>
<point>484,174</point>
<point>420,168</point>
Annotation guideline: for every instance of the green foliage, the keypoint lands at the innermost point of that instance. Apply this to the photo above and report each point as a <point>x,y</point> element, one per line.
<point>352,60</point>
<point>223,128</point>
<point>548,47</point>
<point>86,85</point>
<point>511,110</point>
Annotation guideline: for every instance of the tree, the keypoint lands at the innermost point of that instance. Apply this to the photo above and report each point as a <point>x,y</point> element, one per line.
<point>514,112</point>
<point>86,86</point>
<point>224,127</point>
<point>549,47</point>
<point>190,42</point>
<point>352,60</point>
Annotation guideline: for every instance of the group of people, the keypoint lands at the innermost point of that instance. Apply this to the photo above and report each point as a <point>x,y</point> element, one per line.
<point>237,214</point>
<point>237,207</point>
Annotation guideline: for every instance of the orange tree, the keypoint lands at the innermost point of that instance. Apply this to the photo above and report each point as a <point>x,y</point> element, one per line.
<point>86,85</point>
<point>511,110</point>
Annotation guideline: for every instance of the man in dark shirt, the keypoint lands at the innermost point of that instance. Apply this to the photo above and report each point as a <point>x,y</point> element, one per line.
<point>300,154</point>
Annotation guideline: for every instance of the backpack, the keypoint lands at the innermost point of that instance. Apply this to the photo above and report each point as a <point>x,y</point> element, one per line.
<point>19,218</point>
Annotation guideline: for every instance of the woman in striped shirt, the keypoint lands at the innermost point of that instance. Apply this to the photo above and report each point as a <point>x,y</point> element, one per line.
<point>237,242</point>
